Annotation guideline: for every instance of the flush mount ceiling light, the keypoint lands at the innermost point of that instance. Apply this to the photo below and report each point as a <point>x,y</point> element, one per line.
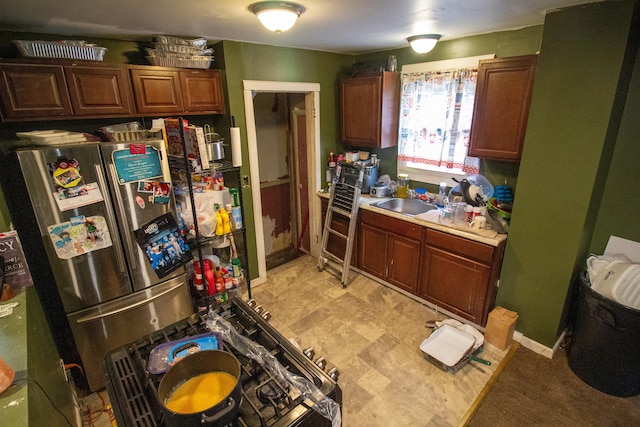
<point>277,16</point>
<point>423,43</point>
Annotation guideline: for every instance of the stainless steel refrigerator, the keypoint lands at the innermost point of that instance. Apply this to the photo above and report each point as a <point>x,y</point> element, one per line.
<point>93,204</point>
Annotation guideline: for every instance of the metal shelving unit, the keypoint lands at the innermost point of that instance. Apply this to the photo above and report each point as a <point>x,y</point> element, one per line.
<point>184,178</point>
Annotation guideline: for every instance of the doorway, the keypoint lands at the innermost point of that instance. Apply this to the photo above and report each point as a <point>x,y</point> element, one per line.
<point>281,187</point>
<point>285,171</point>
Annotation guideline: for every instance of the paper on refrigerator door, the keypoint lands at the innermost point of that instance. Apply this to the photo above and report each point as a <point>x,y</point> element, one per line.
<point>79,236</point>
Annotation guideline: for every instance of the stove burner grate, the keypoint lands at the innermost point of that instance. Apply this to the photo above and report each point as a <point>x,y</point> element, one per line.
<point>266,401</point>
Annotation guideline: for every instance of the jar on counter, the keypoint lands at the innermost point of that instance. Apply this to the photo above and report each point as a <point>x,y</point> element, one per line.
<point>402,191</point>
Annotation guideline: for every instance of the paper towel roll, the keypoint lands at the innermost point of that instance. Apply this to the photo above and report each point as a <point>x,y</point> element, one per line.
<point>236,148</point>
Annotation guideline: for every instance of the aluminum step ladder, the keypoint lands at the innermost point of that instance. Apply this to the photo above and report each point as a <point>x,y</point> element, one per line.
<point>344,198</point>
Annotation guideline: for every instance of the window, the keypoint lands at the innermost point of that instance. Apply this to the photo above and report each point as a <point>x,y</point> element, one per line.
<point>436,108</point>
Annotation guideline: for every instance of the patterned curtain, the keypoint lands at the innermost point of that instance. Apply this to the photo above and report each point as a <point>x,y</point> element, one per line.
<point>435,120</point>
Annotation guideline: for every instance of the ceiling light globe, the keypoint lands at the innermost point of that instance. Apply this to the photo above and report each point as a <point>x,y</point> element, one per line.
<point>277,20</point>
<point>423,43</point>
<point>277,16</point>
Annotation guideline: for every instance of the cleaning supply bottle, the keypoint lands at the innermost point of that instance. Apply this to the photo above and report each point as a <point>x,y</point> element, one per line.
<point>219,224</point>
<point>226,223</point>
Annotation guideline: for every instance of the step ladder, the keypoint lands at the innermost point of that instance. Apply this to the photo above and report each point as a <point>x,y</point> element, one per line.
<point>344,198</point>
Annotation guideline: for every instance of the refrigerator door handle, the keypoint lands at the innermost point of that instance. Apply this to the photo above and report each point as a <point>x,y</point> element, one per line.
<point>117,310</point>
<point>126,226</point>
<point>110,218</point>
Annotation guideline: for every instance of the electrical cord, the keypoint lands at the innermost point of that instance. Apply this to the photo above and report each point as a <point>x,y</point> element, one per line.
<point>47,396</point>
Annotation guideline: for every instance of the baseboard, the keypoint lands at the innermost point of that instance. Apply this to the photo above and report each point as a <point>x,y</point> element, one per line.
<point>536,346</point>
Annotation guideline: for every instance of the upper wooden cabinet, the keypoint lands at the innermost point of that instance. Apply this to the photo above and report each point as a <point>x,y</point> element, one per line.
<point>99,91</point>
<point>65,89</point>
<point>160,90</point>
<point>369,108</point>
<point>44,90</point>
<point>202,91</point>
<point>33,90</point>
<point>501,110</point>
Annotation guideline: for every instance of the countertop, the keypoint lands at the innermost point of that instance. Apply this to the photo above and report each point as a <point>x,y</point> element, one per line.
<point>488,237</point>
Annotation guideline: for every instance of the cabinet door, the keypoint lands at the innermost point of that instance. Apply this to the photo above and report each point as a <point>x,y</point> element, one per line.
<point>404,261</point>
<point>202,91</point>
<point>373,251</point>
<point>33,91</point>
<point>97,91</point>
<point>454,283</point>
<point>501,108</point>
<point>369,109</point>
<point>361,99</point>
<point>156,90</point>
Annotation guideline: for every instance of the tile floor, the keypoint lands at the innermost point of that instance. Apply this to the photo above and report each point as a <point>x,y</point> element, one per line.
<point>372,334</point>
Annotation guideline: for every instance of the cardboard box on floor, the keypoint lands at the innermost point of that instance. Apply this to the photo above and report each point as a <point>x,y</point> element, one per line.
<point>500,327</point>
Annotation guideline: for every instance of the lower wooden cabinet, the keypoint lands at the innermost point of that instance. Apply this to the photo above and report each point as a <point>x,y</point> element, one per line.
<point>390,249</point>
<point>455,273</point>
<point>459,274</point>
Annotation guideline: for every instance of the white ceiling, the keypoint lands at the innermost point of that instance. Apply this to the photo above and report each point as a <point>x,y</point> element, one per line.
<point>342,26</point>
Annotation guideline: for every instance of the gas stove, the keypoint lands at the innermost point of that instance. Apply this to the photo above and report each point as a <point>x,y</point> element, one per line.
<point>265,401</point>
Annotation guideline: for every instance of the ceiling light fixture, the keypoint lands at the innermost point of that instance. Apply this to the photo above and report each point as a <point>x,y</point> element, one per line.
<point>277,16</point>
<point>423,43</point>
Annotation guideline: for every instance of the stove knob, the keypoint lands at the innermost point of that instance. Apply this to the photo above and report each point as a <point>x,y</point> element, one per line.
<point>266,316</point>
<point>334,373</point>
<point>309,352</point>
<point>252,303</point>
<point>258,309</point>
<point>321,362</point>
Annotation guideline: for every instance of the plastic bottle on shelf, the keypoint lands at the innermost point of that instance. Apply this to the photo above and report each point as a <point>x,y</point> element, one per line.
<point>226,223</point>
<point>209,276</point>
<point>197,276</point>
<point>219,280</point>
<point>236,267</point>
<point>236,216</point>
<point>219,224</point>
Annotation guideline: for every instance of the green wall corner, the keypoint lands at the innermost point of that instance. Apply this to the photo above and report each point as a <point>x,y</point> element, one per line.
<point>572,121</point>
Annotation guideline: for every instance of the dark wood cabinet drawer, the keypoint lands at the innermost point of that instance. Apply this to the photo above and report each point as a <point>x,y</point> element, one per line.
<point>389,224</point>
<point>460,245</point>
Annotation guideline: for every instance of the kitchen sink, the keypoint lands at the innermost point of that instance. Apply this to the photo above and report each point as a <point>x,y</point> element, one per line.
<point>405,206</point>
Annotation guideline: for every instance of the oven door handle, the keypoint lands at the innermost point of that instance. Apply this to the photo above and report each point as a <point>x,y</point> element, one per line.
<point>147,301</point>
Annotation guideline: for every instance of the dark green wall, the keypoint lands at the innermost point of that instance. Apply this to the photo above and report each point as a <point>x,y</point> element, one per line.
<point>245,61</point>
<point>579,93</point>
<point>620,208</point>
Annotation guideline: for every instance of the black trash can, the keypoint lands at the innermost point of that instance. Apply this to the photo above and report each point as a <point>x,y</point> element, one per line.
<point>605,344</point>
